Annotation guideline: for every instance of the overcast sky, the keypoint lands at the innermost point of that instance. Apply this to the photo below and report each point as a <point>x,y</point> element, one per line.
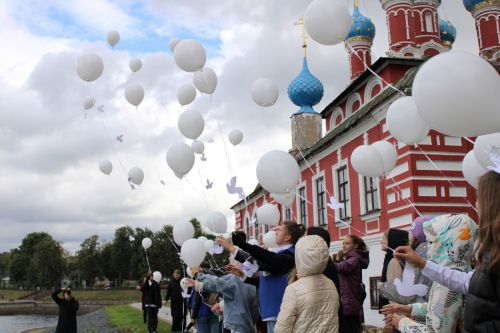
<point>49,152</point>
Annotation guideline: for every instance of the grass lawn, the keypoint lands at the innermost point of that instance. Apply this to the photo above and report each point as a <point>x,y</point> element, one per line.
<point>8,294</point>
<point>129,320</point>
<point>128,295</point>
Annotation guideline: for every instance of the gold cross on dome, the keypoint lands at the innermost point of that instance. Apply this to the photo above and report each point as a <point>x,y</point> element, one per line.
<point>356,3</point>
<point>302,33</point>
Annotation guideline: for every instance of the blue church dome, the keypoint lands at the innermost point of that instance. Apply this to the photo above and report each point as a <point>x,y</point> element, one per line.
<point>447,31</point>
<point>305,90</point>
<point>361,25</point>
<point>469,4</point>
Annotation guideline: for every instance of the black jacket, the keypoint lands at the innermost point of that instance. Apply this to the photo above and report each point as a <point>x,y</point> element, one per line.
<point>174,294</point>
<point>482,309</point>
<point>151,293</point>
<point>67,313</point>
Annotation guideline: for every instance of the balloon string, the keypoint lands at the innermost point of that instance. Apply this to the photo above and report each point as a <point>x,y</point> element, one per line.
<point>442,174</point>
<point>467,139</point>
<point>225,148</point>
<point>407,200</point>
<point>351,50</point>
<point>147,259</point>
<point>112,146</point>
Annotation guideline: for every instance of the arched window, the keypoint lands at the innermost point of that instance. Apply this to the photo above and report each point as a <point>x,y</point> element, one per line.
<point>336,118</point>
<point>429,26</point>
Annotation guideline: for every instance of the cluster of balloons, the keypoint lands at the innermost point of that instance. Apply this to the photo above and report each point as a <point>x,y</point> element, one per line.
<point>278,172</point>
<point>478,161</point>
<point>374,160</point>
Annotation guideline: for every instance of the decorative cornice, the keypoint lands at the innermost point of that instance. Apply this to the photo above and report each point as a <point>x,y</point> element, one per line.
<point>485,4</point>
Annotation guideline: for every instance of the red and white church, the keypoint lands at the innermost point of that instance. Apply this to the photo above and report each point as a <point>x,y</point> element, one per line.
<point>427,178</point>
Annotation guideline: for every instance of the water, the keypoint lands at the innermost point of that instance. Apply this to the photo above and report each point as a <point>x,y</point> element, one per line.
<point>14,324</point>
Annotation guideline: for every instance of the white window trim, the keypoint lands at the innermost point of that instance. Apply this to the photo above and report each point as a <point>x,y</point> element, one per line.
<point>373,214</point>
<point>350,103</point>
<point>297,202</point>
<point>370,86</point>
<point>315,195</point>
<point>342,163</point>
<point>336,112</point>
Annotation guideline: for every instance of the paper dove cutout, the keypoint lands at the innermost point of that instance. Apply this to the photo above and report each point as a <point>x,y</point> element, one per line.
<point>119,138</point>
<point>131,238</point>
<point>100,108</point>
<point>249,268</point>
<point>334,204</point>
<point>216,249</point>
<point>209,184</point>
<point>495,158</point>
<point>407,287</point>
<point>233,189</point>
<point>184,293</point>
<point>203,158</point>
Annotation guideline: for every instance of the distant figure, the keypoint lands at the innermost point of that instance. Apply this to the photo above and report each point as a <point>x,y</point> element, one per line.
<point>68,307</point>
<point>152,302</point>
<point>177,304</point>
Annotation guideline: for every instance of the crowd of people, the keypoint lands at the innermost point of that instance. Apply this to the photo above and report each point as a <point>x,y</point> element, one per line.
<point>452,262</point>
<point>441,276</point>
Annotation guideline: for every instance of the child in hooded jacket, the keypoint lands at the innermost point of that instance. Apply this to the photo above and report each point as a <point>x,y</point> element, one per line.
<point>312,302</point>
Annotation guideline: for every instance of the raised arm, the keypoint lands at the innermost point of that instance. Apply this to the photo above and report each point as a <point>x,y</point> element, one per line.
<point>55,296</point>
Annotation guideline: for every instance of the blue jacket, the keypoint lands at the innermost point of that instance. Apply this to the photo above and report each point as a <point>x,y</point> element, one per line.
<point>240,313</point>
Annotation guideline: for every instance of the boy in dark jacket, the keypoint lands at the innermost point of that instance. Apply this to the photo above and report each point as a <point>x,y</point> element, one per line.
<point>68,307</point>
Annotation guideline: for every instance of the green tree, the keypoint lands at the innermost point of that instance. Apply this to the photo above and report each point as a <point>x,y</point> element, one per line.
<point>4,263</point>
<point>106,261</point>
<point>89,259</point>
<point>122,252</point>
<point>38,261</point>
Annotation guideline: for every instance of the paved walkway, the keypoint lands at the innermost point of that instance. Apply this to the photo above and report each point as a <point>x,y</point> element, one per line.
<point>163,313</point>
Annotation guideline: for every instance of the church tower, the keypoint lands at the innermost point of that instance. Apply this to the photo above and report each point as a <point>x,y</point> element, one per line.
<point>359,41</point>
<point>305,91</point>
<point>486,13</point>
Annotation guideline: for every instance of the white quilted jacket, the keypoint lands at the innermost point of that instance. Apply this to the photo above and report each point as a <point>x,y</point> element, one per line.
<point>311,303</point>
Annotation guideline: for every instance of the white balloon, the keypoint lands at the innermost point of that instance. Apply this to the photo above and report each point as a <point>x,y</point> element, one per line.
<point>268,214</point>
<point>157,276</point>
<point>472,170</point>
<point>209,245</point>
<point>134,93</point>
<point>269,239</point>
<point>173,43</point>
<point>89,67</point>
<point>367,161</point>
<point>264,92</point>
<point>113,37</point>
<point>146,243</point>
<point>88,103</point>
<point>253,241</point>
<point>205,80</point>
<point>389,154</point>
<point>186,94</point>
<point>189,55</point>
<point>106,167</point>
<point>202,238</point>
<point>180,158</point>
<point>405,123</point>
<point>189,271</point>
<point>198,147</point>
<point>457,94</point>
<point>135,64</point>
<point>216,222</point>
<point>278,172</point>
<point>235,137</point>
<point>327,22</point>
<point>136,175</point>
<point>191,124</point>
<point>193,252</point>
<point>284,199</point>
<point>182,231</point>
<point>484,146</point>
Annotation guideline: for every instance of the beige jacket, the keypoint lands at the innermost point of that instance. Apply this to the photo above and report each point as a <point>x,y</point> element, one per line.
<point>311,303</point>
